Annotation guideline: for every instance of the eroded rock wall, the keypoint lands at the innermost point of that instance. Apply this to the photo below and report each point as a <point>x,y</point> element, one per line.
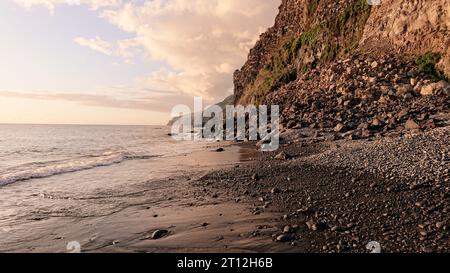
<point>307,33</point>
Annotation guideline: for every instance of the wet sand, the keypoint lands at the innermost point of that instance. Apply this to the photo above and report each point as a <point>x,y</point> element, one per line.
<point>197,220</point>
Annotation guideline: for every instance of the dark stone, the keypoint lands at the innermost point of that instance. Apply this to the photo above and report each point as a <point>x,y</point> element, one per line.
<point>158,234</point>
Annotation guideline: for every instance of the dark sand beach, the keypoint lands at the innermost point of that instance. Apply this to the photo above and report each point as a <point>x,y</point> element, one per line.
<point>312,195</point>
<point>357,90</point>
<point>197,220</point>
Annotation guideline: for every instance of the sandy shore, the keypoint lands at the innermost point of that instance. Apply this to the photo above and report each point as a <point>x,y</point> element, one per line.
<point>197,220</point>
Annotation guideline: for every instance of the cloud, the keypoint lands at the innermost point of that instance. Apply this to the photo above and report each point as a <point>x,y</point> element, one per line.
<point>95,44</point>
<point>127,49</point>
<point>124,98</point>
<point>201,41</point>
<point>206,40</point>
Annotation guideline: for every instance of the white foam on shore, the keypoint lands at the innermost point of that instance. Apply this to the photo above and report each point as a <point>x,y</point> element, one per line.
<point>66,166</point>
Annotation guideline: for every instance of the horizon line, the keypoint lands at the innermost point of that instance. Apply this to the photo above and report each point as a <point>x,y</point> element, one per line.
<point>77,124</point>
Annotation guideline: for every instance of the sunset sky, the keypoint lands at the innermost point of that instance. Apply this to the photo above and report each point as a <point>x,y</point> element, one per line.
<point>121,62</point>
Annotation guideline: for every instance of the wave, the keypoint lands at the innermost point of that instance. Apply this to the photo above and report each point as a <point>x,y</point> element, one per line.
<point>47,169</point>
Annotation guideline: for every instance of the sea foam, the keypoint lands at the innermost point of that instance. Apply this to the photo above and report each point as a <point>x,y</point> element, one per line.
<point>42,170</point>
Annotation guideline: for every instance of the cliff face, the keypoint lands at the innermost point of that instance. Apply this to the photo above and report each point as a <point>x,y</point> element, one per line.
<point>291,20</point>
<point>309,33</point>
<point>412,26</point>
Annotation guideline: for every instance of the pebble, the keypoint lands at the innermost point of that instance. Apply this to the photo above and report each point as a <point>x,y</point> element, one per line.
<point>440,225</point>
<point>411,125</point>
<point>275,190</point>
<point>427,90</point>
<point>335,228</point>
<point>311,225</point>
<point>422,226</point>
<point>339,128</point>
<point>287,229</point>
<point>158,234</point>
<point>282,156</point>
<point>285,237</point>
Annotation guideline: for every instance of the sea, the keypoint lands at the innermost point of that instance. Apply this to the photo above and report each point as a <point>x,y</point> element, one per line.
<point>80,171</point>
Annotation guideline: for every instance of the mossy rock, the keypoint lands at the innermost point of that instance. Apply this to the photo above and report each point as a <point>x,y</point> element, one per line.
<point>427,64</point>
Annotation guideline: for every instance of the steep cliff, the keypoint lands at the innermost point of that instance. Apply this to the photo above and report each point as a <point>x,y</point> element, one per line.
<point>308,33</point>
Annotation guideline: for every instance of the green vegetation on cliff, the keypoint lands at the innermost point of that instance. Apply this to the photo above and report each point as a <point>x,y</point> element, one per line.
<point>313,6</point>
<point>427,64</point>
<point>321,42</point>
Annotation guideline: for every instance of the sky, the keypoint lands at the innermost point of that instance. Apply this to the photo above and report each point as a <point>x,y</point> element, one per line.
<point>121,62</point>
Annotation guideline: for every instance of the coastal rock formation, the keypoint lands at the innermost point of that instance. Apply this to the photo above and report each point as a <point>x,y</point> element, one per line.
<point>414,27</point>
<point>348,65</point>
<point>357,99</point>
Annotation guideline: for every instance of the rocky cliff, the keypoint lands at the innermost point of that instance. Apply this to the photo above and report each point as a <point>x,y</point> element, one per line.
<point>305,32</point>
<point>412,26</point>
<point>353,67</point>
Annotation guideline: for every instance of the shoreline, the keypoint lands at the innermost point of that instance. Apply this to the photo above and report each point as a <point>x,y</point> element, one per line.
<point>196,220</point>
<point>313,195</point>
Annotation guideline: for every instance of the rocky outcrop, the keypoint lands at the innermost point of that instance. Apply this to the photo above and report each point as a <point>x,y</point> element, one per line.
<point>308,33</point>
<point>365,96</point>
<point>411,26</point>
